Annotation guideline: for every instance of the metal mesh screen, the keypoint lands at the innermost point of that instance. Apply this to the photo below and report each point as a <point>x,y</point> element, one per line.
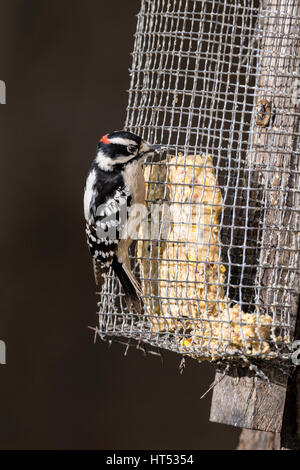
<point>219,271</point>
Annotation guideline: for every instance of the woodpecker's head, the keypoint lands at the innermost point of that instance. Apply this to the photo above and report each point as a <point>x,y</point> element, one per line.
<point>121,148</point>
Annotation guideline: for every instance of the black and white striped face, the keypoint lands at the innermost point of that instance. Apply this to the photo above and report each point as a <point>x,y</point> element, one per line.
<point>119,148</point>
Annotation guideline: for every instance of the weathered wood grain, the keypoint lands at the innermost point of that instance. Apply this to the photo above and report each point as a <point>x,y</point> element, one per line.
<point>258,440</point>
<point>248,403</point>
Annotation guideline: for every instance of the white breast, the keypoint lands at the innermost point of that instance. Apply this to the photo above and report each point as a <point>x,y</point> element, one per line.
<point>135,182</point>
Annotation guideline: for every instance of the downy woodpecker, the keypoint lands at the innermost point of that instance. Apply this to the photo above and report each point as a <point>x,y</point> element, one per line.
<point>114,198</point>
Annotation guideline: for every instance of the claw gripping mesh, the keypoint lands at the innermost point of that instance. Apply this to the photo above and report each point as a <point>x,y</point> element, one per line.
<point>217,255</point>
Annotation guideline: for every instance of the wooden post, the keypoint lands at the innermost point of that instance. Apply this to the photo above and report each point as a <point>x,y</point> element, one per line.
<point>273,158</point>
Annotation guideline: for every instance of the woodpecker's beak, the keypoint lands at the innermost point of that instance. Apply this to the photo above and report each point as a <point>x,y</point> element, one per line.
<point>147,149</point>
<point>156,148</point>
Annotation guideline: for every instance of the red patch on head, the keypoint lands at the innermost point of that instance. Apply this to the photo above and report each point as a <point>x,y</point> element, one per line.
<point>104,139</point>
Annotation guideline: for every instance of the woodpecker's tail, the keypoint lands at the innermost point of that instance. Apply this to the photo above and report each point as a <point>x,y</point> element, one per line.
<point>130,285</point>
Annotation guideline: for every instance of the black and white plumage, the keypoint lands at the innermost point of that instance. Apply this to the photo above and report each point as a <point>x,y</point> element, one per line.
<point>114,195</point>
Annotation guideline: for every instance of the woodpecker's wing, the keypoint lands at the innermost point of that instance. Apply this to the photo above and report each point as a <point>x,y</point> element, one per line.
<point>102,250</point>
<point>130,285</point>
<point>103,243</point>
<point>104,228</point>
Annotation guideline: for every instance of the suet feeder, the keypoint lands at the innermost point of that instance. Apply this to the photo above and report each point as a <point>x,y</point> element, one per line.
<point>217,257</point>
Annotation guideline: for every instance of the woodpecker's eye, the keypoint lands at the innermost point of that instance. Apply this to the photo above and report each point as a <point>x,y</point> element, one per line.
<point>132,148</point>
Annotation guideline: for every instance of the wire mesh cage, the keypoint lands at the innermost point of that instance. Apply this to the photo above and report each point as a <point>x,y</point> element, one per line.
<point>217,253</point>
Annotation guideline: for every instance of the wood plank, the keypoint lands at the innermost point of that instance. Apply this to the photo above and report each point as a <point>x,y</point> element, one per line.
<point>248,403</point>
<point>259,440</point>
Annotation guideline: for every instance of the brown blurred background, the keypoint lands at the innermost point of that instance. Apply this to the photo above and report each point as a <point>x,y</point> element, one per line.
<point>65,64</point>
